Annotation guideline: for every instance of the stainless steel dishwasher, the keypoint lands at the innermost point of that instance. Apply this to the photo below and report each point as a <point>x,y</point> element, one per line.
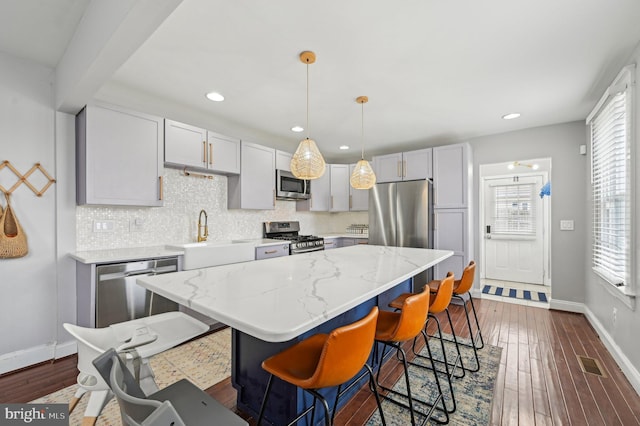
<point>119,298</point>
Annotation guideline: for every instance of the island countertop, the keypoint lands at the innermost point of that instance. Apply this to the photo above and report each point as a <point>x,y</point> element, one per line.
<point>278,299</point>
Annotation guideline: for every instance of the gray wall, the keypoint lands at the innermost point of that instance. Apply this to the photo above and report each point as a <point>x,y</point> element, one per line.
<point>568,178</point>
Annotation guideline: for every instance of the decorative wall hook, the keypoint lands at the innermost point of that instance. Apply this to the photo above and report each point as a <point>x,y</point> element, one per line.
<point>24,178</point>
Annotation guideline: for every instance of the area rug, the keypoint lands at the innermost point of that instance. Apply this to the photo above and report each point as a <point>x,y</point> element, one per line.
<point>534,296</point>
<point>205,362</point>
<point>473,392</point>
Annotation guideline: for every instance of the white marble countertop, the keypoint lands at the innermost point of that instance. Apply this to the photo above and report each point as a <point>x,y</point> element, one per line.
<point>123,254</point>
<point>140,253</point>
<point>278,299</point>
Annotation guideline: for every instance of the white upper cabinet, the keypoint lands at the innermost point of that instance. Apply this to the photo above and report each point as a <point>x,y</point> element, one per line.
<point>283,160</point>
<point>358,198</point>
<point>118,157</point>
<point>194,147</point>
<point>255,187</point>
<point>339,188</point>
<point>224,154</point>
<point>320,190</point>
<point>409,165</point>
<point>452,172</point>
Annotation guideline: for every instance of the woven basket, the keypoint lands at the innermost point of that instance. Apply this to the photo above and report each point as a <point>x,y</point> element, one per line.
<point>13,241</point>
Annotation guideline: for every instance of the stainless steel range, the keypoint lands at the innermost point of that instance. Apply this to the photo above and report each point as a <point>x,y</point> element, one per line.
<point>289,231</point>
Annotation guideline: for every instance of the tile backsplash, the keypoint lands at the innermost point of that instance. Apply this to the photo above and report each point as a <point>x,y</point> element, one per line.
<point>176,222</point>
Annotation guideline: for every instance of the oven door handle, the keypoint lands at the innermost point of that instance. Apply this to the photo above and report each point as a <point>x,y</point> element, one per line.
<point>308,250</point>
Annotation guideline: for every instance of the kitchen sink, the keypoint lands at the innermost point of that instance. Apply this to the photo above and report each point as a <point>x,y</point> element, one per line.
<point>215,253</point>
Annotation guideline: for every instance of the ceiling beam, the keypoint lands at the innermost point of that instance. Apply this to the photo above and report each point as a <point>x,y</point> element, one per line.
<point>107,35</point>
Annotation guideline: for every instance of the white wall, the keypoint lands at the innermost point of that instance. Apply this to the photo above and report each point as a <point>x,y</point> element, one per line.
<point>29,310</point>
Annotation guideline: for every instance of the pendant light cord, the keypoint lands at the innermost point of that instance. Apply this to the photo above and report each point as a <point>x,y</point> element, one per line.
<point>308,125</point>
<point>362,130</point>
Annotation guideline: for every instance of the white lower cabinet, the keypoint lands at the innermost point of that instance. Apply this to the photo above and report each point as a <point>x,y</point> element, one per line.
<point>255,187</point>
<point>331,243</point>
<point>267,252</point>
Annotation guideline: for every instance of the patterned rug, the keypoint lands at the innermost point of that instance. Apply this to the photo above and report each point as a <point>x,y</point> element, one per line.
<point>205,362</point>
<point>534,296</point>
<point>473,392</point>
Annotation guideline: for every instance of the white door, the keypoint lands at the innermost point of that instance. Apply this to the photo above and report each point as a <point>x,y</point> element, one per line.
<point>514,228</point>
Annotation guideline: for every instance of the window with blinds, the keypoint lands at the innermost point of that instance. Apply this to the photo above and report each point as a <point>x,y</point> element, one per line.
<point>610,176</point>
<point>514,211</point>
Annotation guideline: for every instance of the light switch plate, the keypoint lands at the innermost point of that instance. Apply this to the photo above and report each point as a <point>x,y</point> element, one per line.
<point>566,225</point>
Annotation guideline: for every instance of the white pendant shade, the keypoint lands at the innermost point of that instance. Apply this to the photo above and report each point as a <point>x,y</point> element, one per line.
<point>307,162</point>
<point>363,176</point>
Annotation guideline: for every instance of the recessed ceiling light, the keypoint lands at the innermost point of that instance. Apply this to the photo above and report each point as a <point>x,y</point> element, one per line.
<point>535,167</point>
<point>511,116</point>
<point>511,166</point>
<point>297,129</point>
<point>344,147</point>
<point>215,97</point>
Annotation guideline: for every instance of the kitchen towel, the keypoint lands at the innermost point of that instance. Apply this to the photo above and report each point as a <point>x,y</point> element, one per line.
<point>13,241</point>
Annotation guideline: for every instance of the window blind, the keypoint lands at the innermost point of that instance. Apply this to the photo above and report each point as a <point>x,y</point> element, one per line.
<point>514,211</point>
<point>610,183</point>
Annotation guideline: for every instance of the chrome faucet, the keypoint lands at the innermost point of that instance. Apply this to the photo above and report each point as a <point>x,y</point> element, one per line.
<point>201,236</point>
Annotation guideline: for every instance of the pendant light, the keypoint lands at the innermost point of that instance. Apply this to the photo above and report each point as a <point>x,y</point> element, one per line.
<point>307,162</point>
<point>363,176</point>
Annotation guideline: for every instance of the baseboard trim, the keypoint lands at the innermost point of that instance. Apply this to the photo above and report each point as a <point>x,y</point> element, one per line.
<point>628,369</point>
<point>564,305</point>
<point>35,355</point>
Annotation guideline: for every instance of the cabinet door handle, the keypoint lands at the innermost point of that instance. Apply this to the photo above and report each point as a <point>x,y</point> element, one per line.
<point>274,198</point>
<point>204,152</point>
<point>398,169</point>
<point>210,153</point>
<point>332,202</point>
<point>160,189</point>
<point>271,252</point>
<point>350,201</point>
<point>404,168</point>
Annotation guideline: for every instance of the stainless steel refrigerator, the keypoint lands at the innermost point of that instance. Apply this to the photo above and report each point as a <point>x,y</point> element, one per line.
<point>401,215</point>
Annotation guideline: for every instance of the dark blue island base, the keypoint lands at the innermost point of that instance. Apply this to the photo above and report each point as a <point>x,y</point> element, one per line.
<point>287,401</point>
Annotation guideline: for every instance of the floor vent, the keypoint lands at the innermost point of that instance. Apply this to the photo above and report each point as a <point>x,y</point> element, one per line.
<point>591,365</point>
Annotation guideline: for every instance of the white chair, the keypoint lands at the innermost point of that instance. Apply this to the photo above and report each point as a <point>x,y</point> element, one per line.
<point>180,404</point>
<point>137,340</point>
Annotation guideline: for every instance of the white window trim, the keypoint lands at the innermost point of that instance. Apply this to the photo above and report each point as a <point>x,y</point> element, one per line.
<point>625,80</point>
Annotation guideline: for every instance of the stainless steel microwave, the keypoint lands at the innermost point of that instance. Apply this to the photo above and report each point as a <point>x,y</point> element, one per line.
<point>289,187</point>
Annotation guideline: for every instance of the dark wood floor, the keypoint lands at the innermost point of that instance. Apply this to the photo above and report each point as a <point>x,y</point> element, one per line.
<point>540,381</point>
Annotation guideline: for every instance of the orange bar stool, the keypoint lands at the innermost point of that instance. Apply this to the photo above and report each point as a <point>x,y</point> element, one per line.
<point>326,360</point>
<point>392,330</point>
<point>462,295</point>
<point>440,300</point>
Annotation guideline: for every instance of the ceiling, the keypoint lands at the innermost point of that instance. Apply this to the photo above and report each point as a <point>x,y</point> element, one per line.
<point>434,71</point>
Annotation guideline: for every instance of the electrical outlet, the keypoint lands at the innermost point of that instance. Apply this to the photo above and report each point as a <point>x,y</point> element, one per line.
<point>104,225</point>
<point>136,225</point>
<point>615,315</point>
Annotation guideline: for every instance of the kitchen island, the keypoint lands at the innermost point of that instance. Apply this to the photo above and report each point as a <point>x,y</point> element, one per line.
<point>272,304</point>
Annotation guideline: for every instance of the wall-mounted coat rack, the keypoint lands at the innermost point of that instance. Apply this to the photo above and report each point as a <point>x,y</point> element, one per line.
<point>23,178</point>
